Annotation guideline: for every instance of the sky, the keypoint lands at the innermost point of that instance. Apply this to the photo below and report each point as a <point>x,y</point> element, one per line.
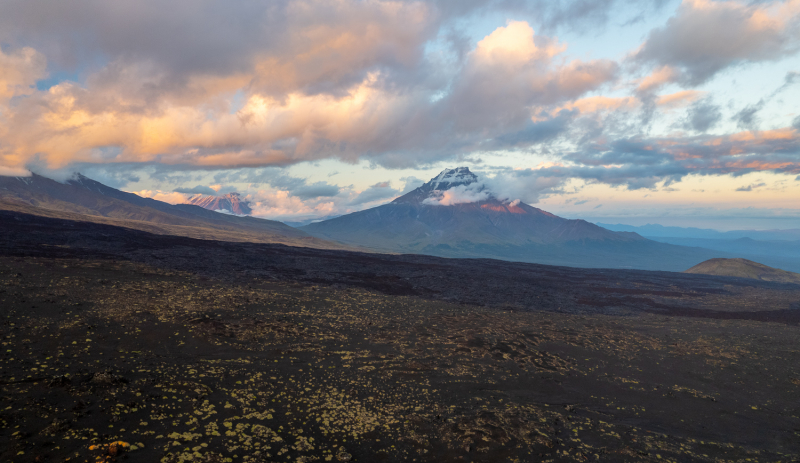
<point>617,111</point>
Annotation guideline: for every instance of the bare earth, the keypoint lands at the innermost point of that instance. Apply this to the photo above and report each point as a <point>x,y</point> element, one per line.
<point>122,337</point>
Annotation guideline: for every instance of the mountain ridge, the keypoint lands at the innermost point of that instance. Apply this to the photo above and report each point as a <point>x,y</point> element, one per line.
<point>83,199</point>
<point>454,215</point>
<point>232,203</point>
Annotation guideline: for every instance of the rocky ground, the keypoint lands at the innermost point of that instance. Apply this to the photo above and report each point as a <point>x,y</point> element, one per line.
<point>120,346</point>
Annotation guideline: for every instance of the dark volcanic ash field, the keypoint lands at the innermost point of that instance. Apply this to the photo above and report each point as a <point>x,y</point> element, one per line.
<point>189,350</point>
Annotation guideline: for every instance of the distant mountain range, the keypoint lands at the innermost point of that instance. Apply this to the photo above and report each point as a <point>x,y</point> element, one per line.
<point>777,248</point>
<point>83,199</point>
<point>428,220</point>
<point>453,215</point>
<point>232,203</point>
<point>660,231</point>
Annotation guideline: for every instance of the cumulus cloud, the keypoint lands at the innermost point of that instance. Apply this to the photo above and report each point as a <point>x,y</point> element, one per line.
<point>136,111</point>
<point>459,194</point>
<point>377,192</point>
<point>19,71</point>
<point>171,197</point>
<point>236,89</point>
<point>513,69</point>
<point>280,205</point>
<point>507,185</point>
<point>706,36</point>
<point>526,185</point>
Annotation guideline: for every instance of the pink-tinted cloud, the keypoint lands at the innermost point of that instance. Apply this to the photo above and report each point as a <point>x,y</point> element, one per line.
<point>706,36</point>
<point>511,71</point>
<point>19,71</point>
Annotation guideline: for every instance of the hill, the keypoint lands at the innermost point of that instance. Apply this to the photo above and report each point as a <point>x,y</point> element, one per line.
<point>430,220</point>
<point>744,268</point>
<point>84,199</point>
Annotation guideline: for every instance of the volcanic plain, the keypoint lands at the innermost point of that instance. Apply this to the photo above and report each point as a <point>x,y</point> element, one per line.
<point>119,345</point>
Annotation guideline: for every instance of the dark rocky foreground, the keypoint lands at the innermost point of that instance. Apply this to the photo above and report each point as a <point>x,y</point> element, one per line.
<point>119,345</point>
<point>482,282</point>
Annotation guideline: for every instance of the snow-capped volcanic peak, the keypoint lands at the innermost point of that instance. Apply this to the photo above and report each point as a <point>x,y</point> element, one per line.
<point>231,203</point>
<point>452,186</point>
<point>450,178</point>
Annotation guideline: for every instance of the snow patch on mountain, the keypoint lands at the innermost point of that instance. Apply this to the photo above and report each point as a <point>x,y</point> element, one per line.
<point>457,186</point>
<point>450,178</point>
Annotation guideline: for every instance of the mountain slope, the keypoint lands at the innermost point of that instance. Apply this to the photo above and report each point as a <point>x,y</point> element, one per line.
<point>744,268</point>
<point>427,221</point>
<point>231,202</point>
<point>84,199</point>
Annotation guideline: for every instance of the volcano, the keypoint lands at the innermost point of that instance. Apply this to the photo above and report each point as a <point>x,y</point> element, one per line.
<point>455,215</point>
<point>232,203</point>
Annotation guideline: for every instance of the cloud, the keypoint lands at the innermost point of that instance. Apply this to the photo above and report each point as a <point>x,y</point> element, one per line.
<point>706,36</point>
<point>646,162</point>
<point>537,132</point>
<point>165,196</point>
<point>233,94</point>
<point>459,194</point>
<point>14,172</point>
<point>315,190</point>
<point>135,110</point>
<point>310,44</point>
<point>678,99</point>
<point>584,16</point>
<point>279,181</point>
<point>747,118</point>
<point>19,71</point>
<point>280,205</point>
<point>198,190</point>
<point>657,79</point>
<point>506,185</point>
<point>379,191</point>
<point>511,70</point>
<point>702,116</point>
<point>751,187</point>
